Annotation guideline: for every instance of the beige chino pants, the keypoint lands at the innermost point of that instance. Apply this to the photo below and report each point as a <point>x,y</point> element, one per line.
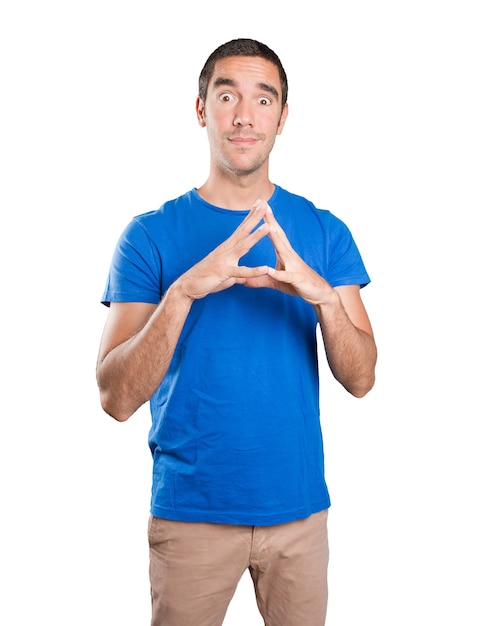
<point>195,569</point>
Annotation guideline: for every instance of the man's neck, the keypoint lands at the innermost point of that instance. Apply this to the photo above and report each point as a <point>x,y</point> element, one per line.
<point>236,195</point>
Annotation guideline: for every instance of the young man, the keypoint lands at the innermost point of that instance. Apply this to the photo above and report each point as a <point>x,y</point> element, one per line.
<point>214,301</point>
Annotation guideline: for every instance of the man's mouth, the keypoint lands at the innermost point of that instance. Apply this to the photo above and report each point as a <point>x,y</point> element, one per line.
<point>243,140</point>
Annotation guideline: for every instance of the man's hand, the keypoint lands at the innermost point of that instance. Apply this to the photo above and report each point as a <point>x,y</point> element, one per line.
<point>219,269</point>
<point>291,274</point>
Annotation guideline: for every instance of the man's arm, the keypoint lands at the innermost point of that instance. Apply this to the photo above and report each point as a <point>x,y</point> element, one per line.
<point>346,329</point>
<point>136,349</point>
<point>139,339</point>
<point>348,339</point>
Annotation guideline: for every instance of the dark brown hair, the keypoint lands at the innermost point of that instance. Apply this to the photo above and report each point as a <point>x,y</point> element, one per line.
<point>245,48</point>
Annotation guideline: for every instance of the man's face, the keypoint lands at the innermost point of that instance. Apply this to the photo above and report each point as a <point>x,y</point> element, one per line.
<point>243,113</point>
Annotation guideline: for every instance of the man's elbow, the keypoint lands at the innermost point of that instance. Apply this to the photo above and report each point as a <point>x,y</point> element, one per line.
<point>363,387</point>
<point>114,409</point>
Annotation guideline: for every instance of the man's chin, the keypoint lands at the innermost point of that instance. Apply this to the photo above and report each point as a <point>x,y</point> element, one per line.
<point>247,168</point>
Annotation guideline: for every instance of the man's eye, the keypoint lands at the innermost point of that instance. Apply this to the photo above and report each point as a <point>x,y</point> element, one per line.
<point>265,101</point>
<point>225,97</point>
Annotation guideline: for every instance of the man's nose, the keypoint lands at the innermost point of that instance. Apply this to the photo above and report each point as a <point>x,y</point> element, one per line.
<point>242,116</point>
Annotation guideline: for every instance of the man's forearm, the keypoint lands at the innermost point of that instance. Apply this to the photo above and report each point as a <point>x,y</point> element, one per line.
<point>351,352</point>
<point>131,372</point>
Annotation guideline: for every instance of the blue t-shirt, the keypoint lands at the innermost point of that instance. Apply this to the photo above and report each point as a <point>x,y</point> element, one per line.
<point>236,435</point>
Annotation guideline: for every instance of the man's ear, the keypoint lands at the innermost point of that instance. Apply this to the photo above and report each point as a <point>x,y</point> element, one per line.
<point>283,118</point>
<point>201,115</point>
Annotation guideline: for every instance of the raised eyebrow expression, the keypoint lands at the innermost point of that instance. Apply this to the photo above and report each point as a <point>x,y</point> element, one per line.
<point>231,83</point>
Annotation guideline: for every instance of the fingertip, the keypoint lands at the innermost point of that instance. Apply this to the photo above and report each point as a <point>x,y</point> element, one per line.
<point>258,204</point>
<point>261,270</point>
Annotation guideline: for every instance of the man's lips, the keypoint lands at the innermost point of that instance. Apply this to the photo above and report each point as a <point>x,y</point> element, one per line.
<point>239,140</point>
<point>244,139</point>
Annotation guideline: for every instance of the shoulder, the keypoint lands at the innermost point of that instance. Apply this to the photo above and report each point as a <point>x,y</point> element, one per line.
<point>150,227</point>
<point>292,205</point>
<point>168,210</point>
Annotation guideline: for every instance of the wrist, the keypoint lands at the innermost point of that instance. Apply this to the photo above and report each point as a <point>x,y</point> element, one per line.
<point>178,294</point>
<point>329,297</point>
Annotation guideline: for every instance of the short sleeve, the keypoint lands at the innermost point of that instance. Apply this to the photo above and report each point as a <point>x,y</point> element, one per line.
<point>345,265</point>
<point>135,272</point>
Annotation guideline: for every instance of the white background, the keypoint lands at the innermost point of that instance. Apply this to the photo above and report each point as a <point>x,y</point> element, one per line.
<point>387,130</point>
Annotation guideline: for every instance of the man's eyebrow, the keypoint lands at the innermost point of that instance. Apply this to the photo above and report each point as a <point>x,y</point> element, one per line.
<point>224,81</point>
<point>220,81</point>
<point>269,89</point>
